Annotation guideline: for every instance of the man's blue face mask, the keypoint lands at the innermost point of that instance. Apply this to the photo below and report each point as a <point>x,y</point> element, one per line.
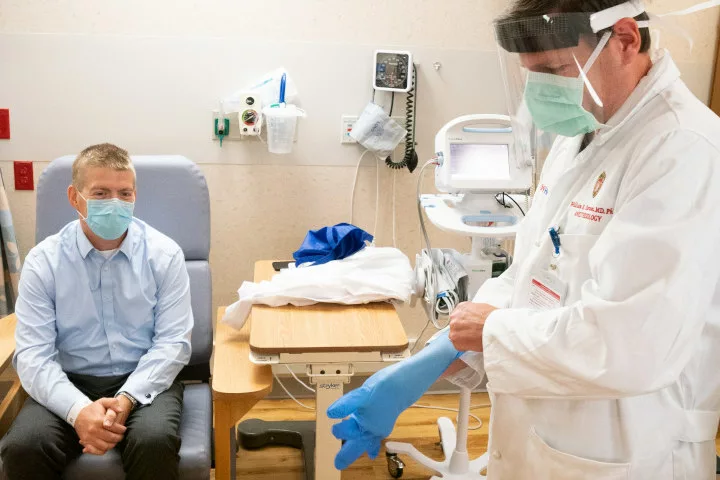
<point>108,219</point>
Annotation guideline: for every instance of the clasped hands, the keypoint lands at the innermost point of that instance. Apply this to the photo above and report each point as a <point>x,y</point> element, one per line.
<point>101,425</point>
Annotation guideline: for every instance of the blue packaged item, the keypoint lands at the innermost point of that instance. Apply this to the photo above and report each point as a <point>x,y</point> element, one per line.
<point>331,243</point>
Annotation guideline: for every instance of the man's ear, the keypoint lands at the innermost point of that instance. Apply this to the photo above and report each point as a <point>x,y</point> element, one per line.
<point>627,35</point>
<point>72,194</point>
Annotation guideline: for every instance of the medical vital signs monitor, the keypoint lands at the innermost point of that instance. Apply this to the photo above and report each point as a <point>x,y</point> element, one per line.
<point>476,154</point>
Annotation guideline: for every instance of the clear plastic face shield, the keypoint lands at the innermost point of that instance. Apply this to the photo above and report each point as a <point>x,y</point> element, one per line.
<point>555,74</point>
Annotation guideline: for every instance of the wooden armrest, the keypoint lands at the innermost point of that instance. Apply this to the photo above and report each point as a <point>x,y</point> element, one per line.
<point>11,392</point>
<point>7,340</point>
<point>13,398</point>
<point>233,373</point>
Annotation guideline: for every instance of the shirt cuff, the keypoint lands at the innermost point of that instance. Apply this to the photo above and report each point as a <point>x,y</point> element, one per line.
<point>468,377</point>
<point>76,409</point>
<point>62,398</point>
<point>143,394</point>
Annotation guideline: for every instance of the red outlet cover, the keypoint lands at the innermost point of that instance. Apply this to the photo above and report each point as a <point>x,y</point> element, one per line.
<point>24,176</point>
<point>4,124</point>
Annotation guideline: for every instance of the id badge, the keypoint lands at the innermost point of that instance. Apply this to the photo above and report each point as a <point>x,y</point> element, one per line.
<point>547,291</point>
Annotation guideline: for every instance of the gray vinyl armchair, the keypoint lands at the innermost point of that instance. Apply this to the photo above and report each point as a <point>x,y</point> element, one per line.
<point>172,197</point>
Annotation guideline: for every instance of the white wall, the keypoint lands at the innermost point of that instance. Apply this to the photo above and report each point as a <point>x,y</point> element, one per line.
<point>262,209</point>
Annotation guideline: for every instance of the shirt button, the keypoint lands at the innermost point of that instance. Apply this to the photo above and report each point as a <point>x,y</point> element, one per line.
<point>147,395</point>
<point>496,455</point>
<point>105,269</point>
<point>107,297</point>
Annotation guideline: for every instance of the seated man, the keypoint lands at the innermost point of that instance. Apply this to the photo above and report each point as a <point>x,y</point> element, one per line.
<point>103,329</point>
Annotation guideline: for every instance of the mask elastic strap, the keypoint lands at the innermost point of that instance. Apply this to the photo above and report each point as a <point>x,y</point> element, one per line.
<point>596,53</point>
<point>81,215</point>
<point>588,65</point>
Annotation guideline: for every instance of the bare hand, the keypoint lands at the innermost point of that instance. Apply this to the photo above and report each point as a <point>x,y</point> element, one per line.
<point>466,325</point>
<point>119,415</point>
<point>94,436</point>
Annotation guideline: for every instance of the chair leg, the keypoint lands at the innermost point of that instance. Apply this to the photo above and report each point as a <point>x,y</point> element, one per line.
<point>254,434</point>
<point>212,449</point>
<point>233,456</point>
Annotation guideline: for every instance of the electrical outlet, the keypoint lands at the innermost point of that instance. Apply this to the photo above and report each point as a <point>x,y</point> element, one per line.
<point>23,176</point>
<point>346,125</point>
<point>348,121</point>
<point>4,124</point>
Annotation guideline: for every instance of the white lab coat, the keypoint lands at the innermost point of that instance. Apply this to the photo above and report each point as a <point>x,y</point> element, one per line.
<point>623,380</point>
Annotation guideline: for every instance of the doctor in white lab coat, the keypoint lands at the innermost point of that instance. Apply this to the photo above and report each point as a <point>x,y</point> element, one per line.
<point>603,359</point>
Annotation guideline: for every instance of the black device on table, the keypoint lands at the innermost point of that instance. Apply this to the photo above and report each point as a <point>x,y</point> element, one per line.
<point>277,266</point>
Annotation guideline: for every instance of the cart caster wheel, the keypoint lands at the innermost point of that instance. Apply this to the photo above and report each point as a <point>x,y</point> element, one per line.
<point>395,465</point>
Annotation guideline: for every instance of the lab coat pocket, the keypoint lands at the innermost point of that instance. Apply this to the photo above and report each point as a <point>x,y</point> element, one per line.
<point>573,264</point>
<point>546,463</point>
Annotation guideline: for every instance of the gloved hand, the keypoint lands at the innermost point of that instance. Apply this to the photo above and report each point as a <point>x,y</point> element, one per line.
<point>373,408</point>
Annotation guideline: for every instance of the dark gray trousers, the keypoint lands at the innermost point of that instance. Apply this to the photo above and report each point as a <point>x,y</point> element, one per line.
<point>39,444</point>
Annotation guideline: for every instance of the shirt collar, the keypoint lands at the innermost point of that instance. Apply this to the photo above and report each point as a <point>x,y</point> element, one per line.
<point>84,245</point>
<point>126,247</point>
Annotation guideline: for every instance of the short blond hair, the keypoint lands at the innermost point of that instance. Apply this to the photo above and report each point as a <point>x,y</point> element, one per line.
<point>104,155</point>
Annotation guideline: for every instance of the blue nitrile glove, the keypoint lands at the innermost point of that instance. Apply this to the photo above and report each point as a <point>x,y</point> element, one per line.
<point>373,408</point>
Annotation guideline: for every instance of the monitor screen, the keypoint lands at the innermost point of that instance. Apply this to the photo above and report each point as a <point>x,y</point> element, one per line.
<point>484,161</point>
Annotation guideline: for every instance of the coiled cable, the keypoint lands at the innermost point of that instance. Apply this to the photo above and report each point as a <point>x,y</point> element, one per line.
<point>410,160</point>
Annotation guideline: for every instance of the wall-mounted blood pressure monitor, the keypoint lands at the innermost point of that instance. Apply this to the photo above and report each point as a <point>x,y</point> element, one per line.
<point>393,71</point>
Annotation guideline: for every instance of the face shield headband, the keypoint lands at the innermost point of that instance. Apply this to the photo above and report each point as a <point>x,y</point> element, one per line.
<point>563,30</point>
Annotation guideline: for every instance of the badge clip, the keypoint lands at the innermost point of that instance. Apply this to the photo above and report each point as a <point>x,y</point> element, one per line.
<point>555,238</point>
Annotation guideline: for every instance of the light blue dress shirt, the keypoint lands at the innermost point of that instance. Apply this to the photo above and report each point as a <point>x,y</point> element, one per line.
<point>79,312</point>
